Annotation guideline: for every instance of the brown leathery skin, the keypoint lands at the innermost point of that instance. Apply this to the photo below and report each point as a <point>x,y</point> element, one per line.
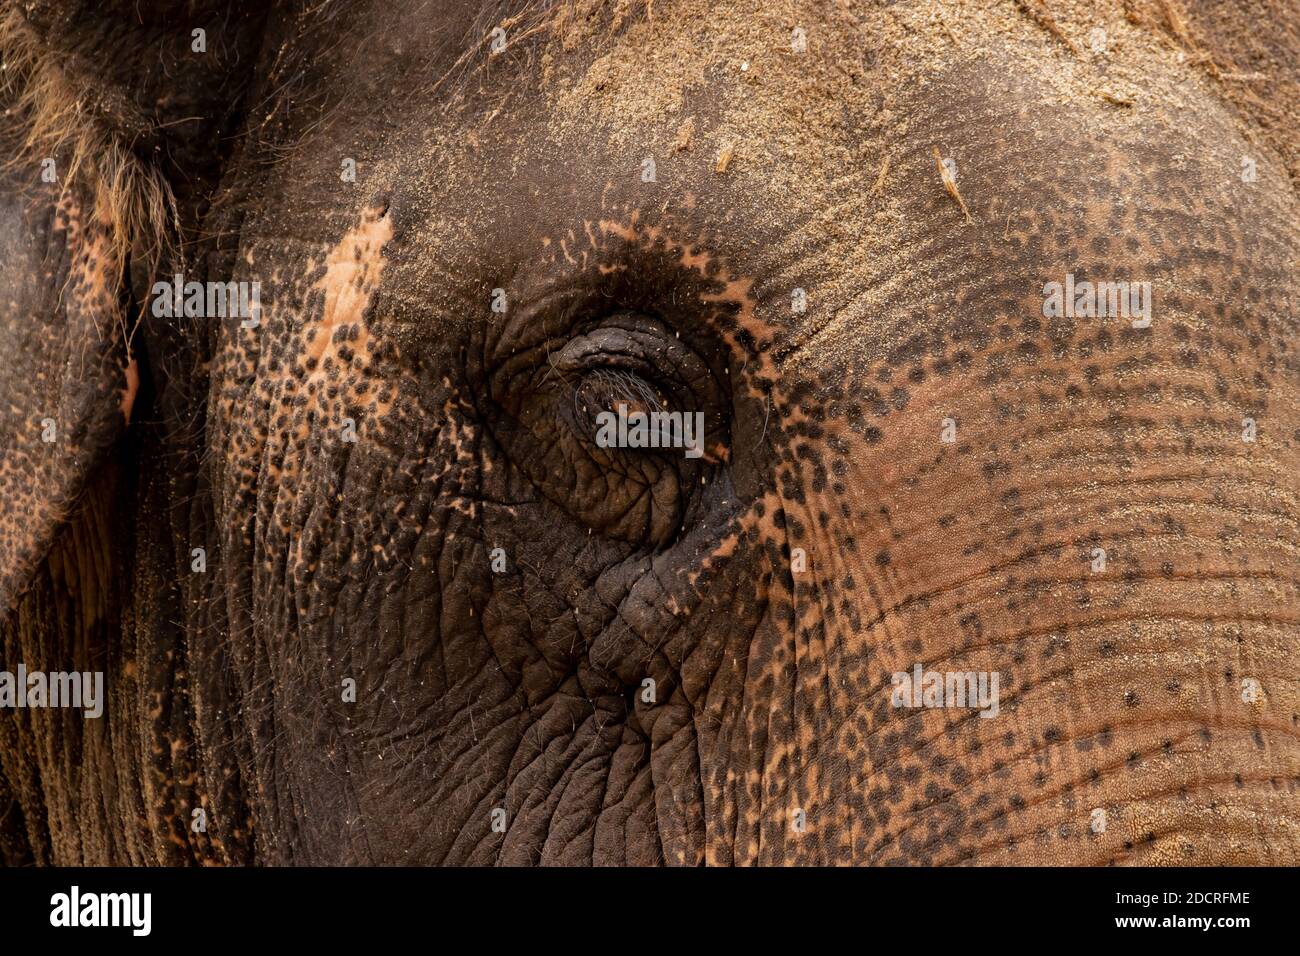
<point>67,353</point>
<point>372,559</point>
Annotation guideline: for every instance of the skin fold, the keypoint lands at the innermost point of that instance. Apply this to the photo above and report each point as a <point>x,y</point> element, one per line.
<point>395,486</point>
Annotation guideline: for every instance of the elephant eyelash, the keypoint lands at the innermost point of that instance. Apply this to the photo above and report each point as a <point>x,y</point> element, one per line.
<point>608,388</point>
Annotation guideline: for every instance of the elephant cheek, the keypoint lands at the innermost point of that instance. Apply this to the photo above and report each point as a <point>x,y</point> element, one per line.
<point>1123,635</point>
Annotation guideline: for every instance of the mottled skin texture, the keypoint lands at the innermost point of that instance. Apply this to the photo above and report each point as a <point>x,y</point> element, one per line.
<point>330,559</point>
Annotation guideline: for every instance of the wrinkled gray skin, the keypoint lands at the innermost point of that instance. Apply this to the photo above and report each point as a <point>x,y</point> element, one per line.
<point>829,538</point>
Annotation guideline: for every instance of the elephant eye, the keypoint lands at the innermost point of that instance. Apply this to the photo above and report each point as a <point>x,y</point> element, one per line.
<point>620,423</point>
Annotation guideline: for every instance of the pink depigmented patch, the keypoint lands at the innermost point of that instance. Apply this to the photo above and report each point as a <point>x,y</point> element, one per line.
<point>353,270</point>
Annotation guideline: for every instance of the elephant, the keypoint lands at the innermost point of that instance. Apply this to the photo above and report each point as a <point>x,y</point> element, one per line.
<point>978,320</point>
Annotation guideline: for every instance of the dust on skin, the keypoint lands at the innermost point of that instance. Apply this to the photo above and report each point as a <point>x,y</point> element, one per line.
<point>806,125</point>
<point>886,86</point>
<point>854,328</point>
<point>857,385</point>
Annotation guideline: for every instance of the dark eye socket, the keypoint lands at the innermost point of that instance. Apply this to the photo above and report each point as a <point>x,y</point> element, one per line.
<point>636,361</point>
<point>550,401</point>
<point>625,356</point>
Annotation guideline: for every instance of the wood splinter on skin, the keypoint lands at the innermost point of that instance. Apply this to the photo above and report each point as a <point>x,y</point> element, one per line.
<point>950,184</point>
<point>880,180</point>
<point>1115,98</point>
<point>724,159</point>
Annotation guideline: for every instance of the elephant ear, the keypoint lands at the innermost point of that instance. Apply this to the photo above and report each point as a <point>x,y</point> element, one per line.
<point>66,384</point>
<point>110,109</point>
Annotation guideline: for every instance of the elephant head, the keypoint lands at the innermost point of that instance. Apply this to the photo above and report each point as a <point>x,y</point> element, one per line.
<point>972,535</point>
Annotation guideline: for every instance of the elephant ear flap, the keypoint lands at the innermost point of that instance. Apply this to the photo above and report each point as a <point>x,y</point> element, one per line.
<point>104,106</point>
<point>66,382</point>
<point>85,221</point>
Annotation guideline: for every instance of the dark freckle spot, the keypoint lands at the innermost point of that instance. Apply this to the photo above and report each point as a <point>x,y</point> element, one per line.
<point>1133,758</point>
<point>1052,734</point>
<point>1130,698</point>
<point>882,559</point>
<point>871,434</point>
